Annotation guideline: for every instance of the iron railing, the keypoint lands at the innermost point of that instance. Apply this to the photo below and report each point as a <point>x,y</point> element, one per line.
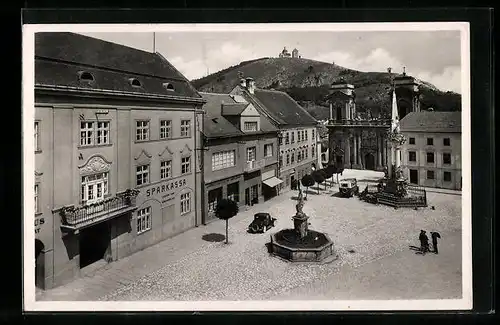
<point>86,214</point>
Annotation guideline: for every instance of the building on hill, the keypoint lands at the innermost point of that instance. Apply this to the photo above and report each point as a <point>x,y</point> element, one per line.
<point>297,129</point>
<point>116,154</point>
<point>295,53</point>
<point>240,155</point>
<point>284,53</point>
<point>432,156</point>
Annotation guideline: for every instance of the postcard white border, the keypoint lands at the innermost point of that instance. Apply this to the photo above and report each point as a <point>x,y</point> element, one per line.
<point>30,304</point>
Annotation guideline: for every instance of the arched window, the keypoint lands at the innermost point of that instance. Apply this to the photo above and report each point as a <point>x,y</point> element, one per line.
<point>134,82</point>
<point>85,76</point>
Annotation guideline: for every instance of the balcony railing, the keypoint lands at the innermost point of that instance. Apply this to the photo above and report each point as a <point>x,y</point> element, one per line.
<point>364,123</point>
<point>254,165</point>
<point>74,218</point>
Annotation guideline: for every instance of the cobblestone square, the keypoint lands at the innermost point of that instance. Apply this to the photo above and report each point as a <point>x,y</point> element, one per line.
<point>372,241</point>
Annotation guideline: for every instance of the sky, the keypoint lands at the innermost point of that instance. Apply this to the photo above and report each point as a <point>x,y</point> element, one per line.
<point>432,56</point>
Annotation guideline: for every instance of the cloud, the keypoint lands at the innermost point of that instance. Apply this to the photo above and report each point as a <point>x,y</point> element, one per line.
<point>380,59</point>
<point>213,60</point>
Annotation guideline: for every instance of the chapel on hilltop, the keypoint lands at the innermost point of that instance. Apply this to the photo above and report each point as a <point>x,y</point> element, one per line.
<point>285,54</point>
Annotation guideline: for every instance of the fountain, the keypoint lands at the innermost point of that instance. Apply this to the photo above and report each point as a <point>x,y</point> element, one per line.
<point>301,244</point>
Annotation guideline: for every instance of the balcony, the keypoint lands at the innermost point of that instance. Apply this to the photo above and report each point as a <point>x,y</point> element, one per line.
<point>75,218</point>
<point>254,165</point>
<point>377,123</point>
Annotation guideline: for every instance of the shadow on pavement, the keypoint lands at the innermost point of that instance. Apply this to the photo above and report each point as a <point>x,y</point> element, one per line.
<point>213,237</point>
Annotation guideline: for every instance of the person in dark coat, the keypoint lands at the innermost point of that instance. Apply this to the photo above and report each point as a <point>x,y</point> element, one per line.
<point>435,236</point>
<point>424,242</point>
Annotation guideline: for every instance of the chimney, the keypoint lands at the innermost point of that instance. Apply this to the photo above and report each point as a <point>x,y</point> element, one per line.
<point>250,85</point>
<point>243,83</point>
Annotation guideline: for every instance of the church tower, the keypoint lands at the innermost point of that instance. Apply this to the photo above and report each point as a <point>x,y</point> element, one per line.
<point>407,95</point>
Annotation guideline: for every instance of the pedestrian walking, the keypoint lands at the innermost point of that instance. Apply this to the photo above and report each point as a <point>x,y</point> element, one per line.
<point>424,242</point>
<point>435,236</point>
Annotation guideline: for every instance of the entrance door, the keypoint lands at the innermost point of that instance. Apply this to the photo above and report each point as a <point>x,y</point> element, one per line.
<point>94,242</point>
<point>39,264</point>
<point>254,194</point>
<point>370,161</point>
<point>413,176</point>
<point>292,182</point>
<point>247,196</point>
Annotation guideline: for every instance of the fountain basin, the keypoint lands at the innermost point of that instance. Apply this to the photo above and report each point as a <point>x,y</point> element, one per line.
<point>314,247</point>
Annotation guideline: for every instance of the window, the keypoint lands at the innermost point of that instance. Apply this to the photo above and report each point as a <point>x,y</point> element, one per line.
<point>307,152</point>
<point>299,156</point>
<point>293,157</point>
<point>142,174</point>
<point>102,133</point>
<point>166,169</point>
<point>411,141</point>
<point>94,187</point>
<point>250,126</point>
<point>288,159</point>
<point>165,129</point>
<point>251,153</point>
<point>85,76</point>
<point>233,192</point>
<point>185,165</point>
<point>280,137</point>
<point>430,174</point>
<point>168,86</point>
<point>223,159</point>
<point>446,158</point>
<point>37,206</point>
<point>430,141</point>
<point>143,220</point>
<point>37,136</point>
<point>313,137</point>
<point>412,156</point>
<point>281,160</point>
<point>86,133</point>
<point>293,137</point>
<point>268,150</point>
<point>447,176</point>
<point>306,132</point>
<point>430,157</point>
<point>213,198</point>
<point>134,82</point>
<point>185,128</point>
<point>287,138</point>
<point>185,203</point>
<point>446,142</point>
<point>313,152</point>
<point>142,130</point>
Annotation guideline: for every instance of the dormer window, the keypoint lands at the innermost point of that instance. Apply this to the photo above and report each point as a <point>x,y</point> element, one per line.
<point>85,76</point>
<point>168,86</point>
<point>135,82</point>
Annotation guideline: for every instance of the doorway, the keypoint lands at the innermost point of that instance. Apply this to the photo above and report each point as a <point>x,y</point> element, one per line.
<point>414,176</point>
<point>293,186</point>
<point>370,161</point>
<point>39,264</point>
<point>94,244</point>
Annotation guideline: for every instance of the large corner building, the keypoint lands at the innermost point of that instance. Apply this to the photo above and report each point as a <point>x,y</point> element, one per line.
<point>117,163</point>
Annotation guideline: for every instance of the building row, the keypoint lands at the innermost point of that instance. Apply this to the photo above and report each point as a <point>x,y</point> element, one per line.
<point>129,153</point>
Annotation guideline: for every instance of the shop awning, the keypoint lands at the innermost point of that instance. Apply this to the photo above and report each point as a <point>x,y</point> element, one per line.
<point>273,181</point>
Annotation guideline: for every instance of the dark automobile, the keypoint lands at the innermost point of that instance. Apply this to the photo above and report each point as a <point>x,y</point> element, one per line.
<point>348,187</point>
<point>261,223</point>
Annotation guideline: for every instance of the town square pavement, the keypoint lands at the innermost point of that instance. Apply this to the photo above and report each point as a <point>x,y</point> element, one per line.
<point>372,242</point>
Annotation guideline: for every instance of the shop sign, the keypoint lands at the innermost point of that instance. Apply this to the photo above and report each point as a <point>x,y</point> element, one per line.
<point>39,221</point>
<point>164,187</point>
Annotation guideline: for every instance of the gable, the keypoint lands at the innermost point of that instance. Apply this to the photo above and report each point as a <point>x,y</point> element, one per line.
<point>250,110</point>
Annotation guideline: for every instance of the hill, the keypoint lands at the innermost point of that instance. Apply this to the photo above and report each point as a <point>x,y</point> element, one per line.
<point>308,81</point>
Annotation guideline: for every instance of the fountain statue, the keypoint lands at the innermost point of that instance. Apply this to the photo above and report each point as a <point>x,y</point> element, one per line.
<point>300,219</point>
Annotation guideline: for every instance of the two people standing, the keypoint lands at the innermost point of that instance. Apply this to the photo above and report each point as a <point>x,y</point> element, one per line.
<point>424,242</point>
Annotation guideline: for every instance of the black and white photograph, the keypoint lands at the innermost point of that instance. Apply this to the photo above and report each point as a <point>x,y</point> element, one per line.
<point>278,166</point>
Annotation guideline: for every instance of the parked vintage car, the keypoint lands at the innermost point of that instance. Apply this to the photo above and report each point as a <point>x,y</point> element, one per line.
<point>369,194</point>
<point>261,223</point>
<point>348,187</point>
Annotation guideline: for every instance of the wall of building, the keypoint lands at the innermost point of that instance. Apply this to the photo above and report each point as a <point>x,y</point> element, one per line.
<point>438,148</point>
<point>297,168</point>
<point>60,164</point>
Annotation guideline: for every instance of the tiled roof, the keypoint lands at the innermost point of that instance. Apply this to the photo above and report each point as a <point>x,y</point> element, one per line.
<point>215,125</point>
<point>283,108</point>
<point>59,57</point>
<point>233,109</point>
<point>427,121</point>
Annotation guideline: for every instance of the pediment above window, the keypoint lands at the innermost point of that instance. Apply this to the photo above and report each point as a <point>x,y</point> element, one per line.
<point>186,150</point>
<point>95,164</point>
<point>143,154</point>
<point>38,174</point>
<point>166,152</point>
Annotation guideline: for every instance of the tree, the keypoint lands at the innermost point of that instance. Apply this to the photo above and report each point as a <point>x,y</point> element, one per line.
<point>318,177</point>
<point>225,210</point>
<point>325,176</point>
<point>329,170</point>
<point>307,181</point>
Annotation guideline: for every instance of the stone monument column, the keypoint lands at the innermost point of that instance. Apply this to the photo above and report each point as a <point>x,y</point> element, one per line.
<point>380,148</point>
<point>347,162</point>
